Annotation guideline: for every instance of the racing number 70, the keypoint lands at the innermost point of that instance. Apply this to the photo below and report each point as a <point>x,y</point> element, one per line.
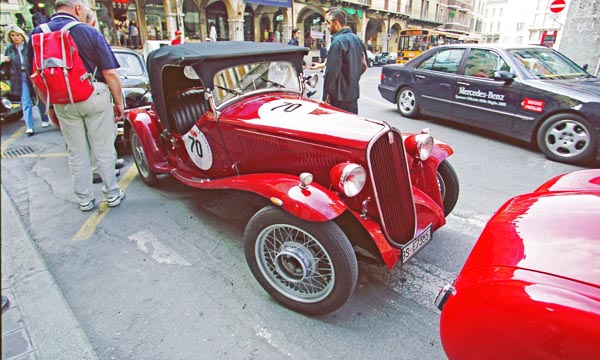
<point>195,145</point>
<point>287,107</point>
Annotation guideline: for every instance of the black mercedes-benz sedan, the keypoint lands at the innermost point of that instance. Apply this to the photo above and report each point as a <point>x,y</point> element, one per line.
<point>532,93</point>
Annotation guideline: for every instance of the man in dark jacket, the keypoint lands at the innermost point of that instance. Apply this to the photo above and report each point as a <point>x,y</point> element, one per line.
<point>344,63</point>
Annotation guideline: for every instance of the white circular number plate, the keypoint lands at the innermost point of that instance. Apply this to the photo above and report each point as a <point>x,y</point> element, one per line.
<point>198,148</point>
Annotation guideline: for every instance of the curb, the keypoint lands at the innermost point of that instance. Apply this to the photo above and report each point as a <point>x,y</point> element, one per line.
<point>53,330</point>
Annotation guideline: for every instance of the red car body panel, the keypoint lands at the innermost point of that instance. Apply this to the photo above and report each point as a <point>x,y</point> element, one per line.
<point>530,289</point>
<point>338,132</point>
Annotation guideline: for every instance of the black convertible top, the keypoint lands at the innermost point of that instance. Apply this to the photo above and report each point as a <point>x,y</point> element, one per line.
<point>165,65</point>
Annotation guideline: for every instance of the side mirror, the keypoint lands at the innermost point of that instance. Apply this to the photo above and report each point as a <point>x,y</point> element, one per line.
<point>505,76</point>
<point>585,67</point>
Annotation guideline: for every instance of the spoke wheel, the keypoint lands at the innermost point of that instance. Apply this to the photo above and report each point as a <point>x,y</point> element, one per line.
<point>407,102</point>
<point>449,187</point>
<point>308,267</point>
<point>141,162</point>
<point>567,138</point>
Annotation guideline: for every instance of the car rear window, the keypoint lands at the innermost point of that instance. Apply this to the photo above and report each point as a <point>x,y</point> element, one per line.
<point>444,60</point>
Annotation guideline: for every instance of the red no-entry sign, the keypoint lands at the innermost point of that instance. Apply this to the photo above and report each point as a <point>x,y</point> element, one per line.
<point>557,6</point>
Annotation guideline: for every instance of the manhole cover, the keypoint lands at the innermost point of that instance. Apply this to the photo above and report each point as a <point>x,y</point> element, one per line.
<point>12,153</point>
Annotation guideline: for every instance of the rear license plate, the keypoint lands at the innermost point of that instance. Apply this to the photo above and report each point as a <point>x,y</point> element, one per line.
<point>412,248</point>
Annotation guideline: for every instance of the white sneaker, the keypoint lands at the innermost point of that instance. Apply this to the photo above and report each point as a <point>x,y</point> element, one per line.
<point>87,206</point>
<point>29,131</point>
<point>115,200</point>
<point>45,124</point>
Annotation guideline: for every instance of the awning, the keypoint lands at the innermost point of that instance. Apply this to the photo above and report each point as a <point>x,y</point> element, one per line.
<point>275,3</point>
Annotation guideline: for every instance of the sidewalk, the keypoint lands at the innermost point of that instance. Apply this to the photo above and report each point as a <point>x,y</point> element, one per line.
<point>39,323</point>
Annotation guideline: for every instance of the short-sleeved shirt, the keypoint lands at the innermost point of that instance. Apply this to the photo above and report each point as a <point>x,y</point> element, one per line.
<point>93,48</point>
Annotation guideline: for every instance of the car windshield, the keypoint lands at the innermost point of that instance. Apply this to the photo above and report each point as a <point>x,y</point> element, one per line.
<point>129,64</point>
<point>243,79</point>
<point>548,64</point>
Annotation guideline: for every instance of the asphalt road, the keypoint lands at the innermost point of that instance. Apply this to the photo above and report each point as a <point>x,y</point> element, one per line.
<point>163,276</point>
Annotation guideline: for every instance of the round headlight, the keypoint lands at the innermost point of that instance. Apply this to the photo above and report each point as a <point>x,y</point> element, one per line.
<point>349,178</point>
<point>424,146</point>
<point>7,104</point>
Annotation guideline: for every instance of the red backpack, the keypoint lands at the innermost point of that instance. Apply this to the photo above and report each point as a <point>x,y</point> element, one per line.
<point>58,71</point>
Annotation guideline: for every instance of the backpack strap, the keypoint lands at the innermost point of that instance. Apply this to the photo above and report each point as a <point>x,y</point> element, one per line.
<point>69,25</point>
<point>65,33</point>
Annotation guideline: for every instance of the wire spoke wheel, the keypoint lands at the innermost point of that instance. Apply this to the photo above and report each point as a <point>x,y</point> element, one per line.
<point>309,267</point>
<point>295,263</point>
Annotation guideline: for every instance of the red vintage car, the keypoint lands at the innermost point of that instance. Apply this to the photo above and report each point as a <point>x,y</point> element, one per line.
<point>530,289</point>
<point>232,115</point>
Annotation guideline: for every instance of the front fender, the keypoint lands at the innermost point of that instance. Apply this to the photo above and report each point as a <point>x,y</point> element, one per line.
<point>149,134</point>
<point>315,203</point>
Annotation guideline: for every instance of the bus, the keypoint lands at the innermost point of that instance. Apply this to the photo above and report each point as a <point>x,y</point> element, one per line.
<point>414,41</point>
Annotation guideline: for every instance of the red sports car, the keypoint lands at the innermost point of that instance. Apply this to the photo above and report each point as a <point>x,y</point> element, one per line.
<point>530,289</point>
<point>232,115</point>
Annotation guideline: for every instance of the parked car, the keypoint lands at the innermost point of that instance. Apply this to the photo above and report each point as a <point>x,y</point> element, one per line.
<point>384,58</point>
<point>370,58</point>
<point>10,108</point>
<point>232,115</point>
<point>135,84</point>
<point>531,93</point>
<point>530,289</point>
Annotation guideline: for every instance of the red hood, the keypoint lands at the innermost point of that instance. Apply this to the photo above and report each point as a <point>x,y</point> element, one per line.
<point>288,113</point>
<point>555,232</point>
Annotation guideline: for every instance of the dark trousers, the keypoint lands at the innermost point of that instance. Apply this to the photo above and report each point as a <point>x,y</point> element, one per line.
<point>350,106</point>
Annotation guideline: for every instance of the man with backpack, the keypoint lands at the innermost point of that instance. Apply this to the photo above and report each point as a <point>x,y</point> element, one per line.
<point>86,122</point>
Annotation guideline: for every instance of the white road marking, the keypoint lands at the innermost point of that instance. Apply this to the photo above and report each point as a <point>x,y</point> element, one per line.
<point>265,334</point>
<point>161,253</point>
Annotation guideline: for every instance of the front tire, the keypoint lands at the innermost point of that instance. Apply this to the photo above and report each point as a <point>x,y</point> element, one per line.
<point>141,161</point>
<point>308,267</point>
<point>567,138</point>
<point>449,187</point>
<point>407,102</point>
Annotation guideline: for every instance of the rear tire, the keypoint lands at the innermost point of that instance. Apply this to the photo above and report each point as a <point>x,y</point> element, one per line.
<point>141,161</point>
<point>308,267</point>
<point>449,187</point>
<point>567,138</point>
<point>407,102</point>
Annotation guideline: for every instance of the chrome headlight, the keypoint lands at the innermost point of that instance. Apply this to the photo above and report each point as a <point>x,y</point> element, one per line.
<point>7,104</point>
<point>420,145</point>
<point>349,178</point>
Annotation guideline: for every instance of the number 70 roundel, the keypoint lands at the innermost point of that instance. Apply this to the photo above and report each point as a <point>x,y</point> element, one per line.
<point>198,148</point>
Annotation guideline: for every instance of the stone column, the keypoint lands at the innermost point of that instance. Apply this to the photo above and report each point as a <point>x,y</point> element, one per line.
<point>236,29</point>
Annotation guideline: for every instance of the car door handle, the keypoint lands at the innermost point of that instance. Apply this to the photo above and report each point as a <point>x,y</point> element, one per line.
<point>420,76</point>
<point>463,83</point>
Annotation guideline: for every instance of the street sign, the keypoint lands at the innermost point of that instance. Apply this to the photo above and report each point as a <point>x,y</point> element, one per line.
<point>557,6</point>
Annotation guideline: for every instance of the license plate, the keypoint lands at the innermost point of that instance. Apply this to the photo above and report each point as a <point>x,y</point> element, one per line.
<point>412,248</point>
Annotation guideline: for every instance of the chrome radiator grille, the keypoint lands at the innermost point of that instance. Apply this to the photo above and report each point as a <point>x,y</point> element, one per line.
<point>392,186</point>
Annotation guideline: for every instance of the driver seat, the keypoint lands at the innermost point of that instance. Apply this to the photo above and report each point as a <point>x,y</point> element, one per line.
<point>187,108</point>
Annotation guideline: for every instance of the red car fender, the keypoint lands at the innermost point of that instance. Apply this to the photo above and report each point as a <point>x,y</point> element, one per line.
<point>314,203</point>
<point>148,134</point>
<point>428,212</point>
<point>508,313</point>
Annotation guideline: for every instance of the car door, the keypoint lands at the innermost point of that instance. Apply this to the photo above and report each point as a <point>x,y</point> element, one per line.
<point>480,98</point>
<point>435,79</point>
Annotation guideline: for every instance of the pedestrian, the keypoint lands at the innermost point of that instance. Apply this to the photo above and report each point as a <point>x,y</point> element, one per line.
<point>87,127</point>
<point>18,54</point>
<point>134,34</point>
<point>323,52</point>
<point>346,61</point>
<point>295,34</point>
<point>177,39</point>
